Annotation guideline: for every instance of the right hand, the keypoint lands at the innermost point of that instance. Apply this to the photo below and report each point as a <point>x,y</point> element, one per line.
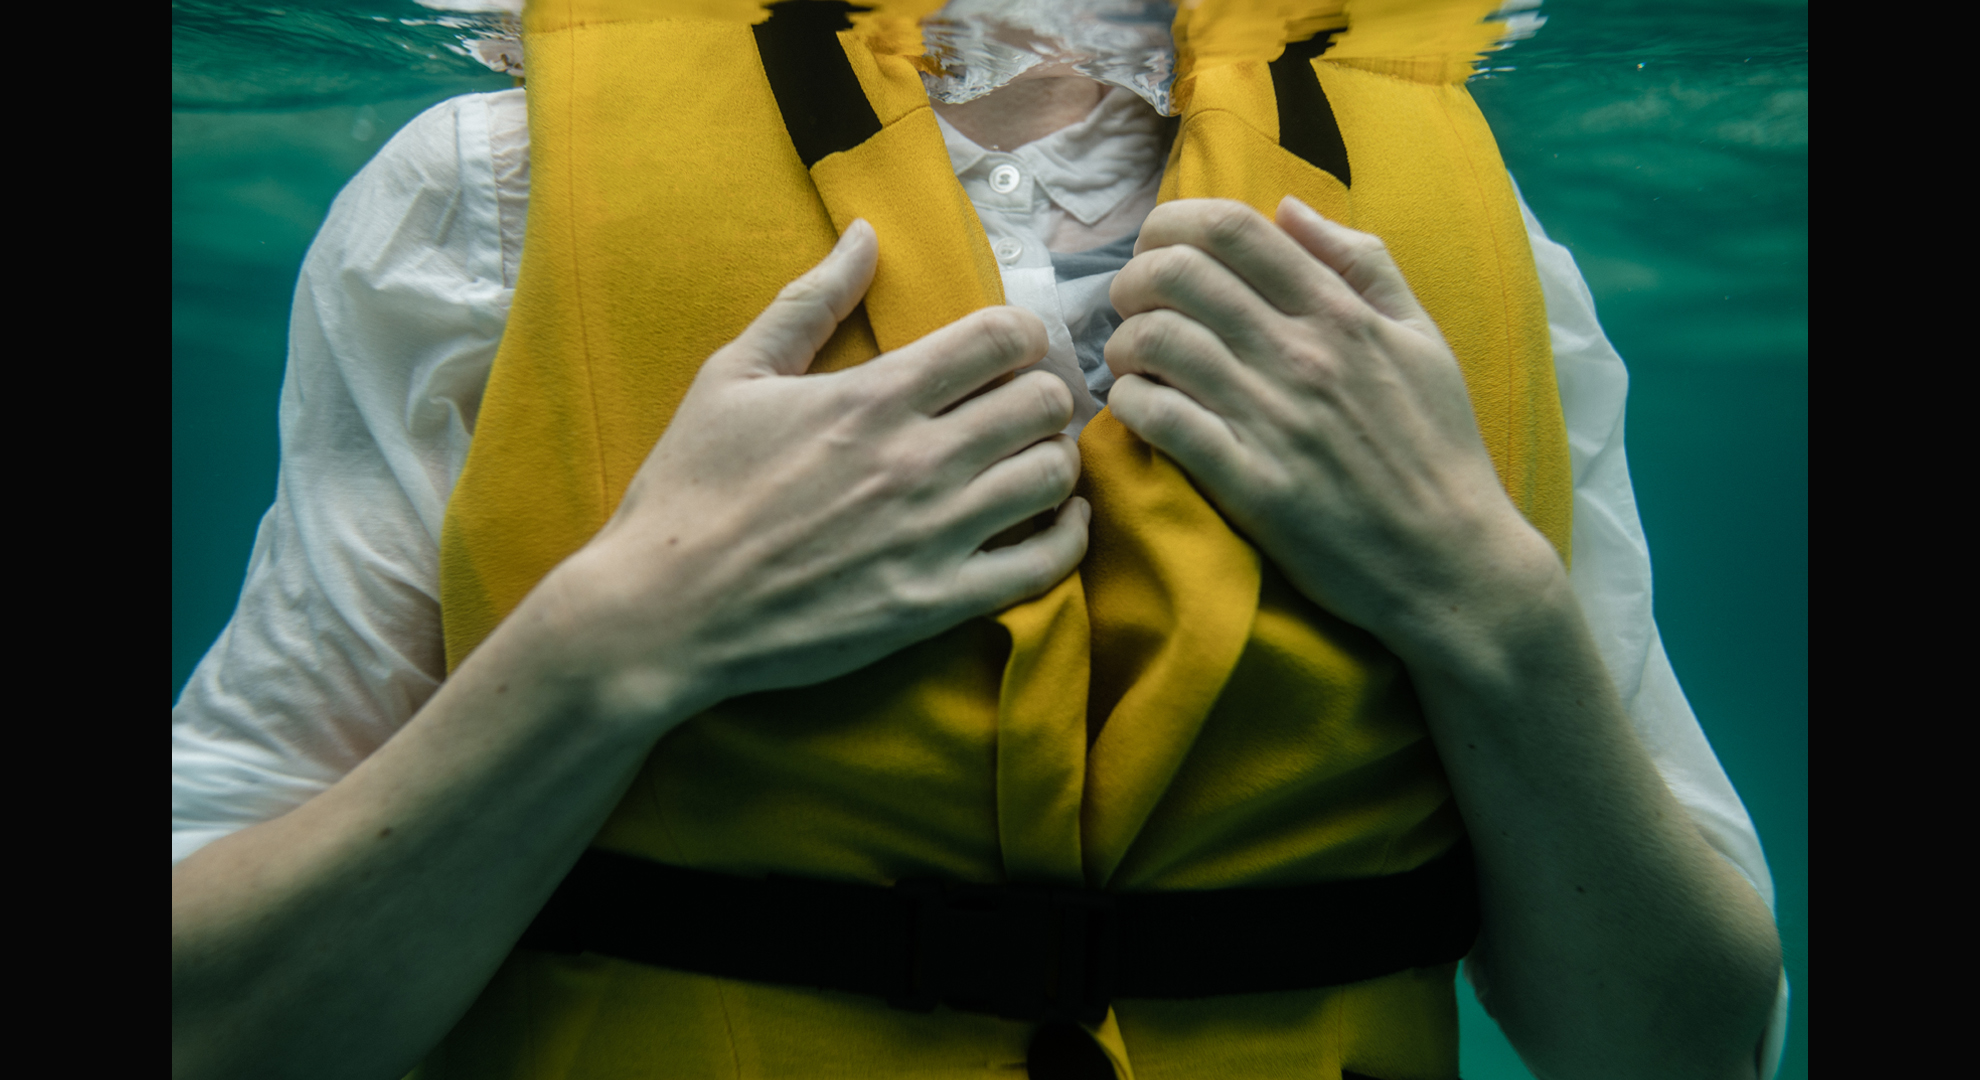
<point>789,528</point>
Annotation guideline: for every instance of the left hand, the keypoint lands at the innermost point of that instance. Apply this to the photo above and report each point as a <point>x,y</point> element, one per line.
<point>1290,371</point>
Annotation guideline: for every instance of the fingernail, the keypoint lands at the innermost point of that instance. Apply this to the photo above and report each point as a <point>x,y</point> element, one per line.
<point>1085,512</point>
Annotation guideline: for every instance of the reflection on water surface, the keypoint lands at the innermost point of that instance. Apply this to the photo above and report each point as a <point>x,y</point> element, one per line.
<point>231,55</point>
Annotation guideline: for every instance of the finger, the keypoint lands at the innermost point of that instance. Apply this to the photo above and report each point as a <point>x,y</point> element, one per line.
<point>787,336</point>
<point>1361,259</point>
<point>1170,347</point>
<point>996,424</point>
<point>1200,441</point>
<point>1186,279</point>
<point>1257,251</point>
<point>996,579</point>
<point>950,364</point>
<point>1018,487</point>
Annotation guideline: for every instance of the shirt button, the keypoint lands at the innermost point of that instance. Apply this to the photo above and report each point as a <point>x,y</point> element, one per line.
<point>1008,250</point>
<point>1004,179</point>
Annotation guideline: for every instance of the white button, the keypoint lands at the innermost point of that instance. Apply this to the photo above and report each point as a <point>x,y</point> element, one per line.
<point>1008,250</point>
<point>1004,179</point>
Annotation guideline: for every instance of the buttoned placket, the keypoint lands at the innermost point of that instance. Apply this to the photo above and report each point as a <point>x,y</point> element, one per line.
<point>1001,185</point>
<point>1008,201</point>
<point>1014,199</point>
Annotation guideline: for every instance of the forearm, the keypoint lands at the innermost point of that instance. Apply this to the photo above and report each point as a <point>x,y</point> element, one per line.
<point>347,936</point>
<point>786,529</point>
<point>1290,370</point>
<point>1616,942</point>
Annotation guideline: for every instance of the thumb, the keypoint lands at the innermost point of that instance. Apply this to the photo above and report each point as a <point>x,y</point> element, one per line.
<point>787,336</point>
<point>1361,259</point>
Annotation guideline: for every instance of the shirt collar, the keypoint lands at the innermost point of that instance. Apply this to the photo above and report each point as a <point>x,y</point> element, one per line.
<point>1086,167</point>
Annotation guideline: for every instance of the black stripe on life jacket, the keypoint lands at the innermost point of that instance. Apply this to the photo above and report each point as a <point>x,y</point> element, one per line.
<point>824,108</point>
<point>1307,126</point>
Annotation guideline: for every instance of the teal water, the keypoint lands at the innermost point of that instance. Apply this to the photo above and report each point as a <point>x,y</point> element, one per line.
<point>1665,143</point>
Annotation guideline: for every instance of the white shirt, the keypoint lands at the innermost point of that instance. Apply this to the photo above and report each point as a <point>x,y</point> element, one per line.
<point>1078,188</point>
<point>400,305</point>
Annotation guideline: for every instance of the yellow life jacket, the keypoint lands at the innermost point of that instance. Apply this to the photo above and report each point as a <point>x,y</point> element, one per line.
<point>1245,737</point>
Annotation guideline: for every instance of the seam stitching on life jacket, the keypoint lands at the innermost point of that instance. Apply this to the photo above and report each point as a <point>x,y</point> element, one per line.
<point>1388,856</point>
<point>651,788</point>
<point>995,280</point>
<point>1515,452</point>
<point>532,1040</point>
<point>728,1025</point>
<point>577,297</point>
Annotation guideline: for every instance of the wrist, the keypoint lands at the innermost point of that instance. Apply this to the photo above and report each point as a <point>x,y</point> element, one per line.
<point>1510,603</point>
<point>581,634</point>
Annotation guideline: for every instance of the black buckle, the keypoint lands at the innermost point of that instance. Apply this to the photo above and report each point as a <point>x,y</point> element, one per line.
<point>1034,954</point>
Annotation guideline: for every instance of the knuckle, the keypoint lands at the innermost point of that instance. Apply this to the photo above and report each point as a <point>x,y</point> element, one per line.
<point>1153,412</point>
<point>1366,251</point>
<point>1068,466</point>
<point>1316,363</point>
<point>1343,308</point>
<point>922,461</point>
<point>1035,571</point>
<point>1143,335</point>
<point>1163,334</point>
<point>1324,374</point>
<point>1039,573</point>
<point>1054,471</point>
<point>902,593</point>
<point>907,471</point>
<point>918,531</point>
<point>1124,400</point>
<point>873,398</point>
<point>1171,266</point>
<point>741,350</point>
<point>1131,285</point>
<point>1228,224</point>
<point>1118,354</point>
<point>898,385</point>
<point>1007,330</point>
<point>1049,393</point>
<point>801,295</point>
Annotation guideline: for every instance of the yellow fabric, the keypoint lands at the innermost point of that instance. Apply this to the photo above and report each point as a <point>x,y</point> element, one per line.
<point>1238,734</point>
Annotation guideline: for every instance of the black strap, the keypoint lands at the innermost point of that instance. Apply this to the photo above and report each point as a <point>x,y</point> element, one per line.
<point>1026,953</point>
<point>1306,119</point>
<point>824,108</point>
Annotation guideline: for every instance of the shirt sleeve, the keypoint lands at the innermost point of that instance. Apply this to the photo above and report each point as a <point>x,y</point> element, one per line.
<point>335,641</point>
<point>1610,576</point>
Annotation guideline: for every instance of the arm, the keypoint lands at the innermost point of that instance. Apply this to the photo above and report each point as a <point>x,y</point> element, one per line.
<point>1288,368</point>
<point>345,937</point>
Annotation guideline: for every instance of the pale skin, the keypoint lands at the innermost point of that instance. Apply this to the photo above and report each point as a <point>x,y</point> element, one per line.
<point>789,528</point>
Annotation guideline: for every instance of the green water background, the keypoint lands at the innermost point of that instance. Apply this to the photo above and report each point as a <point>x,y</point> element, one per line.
<point>1665,144</point>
